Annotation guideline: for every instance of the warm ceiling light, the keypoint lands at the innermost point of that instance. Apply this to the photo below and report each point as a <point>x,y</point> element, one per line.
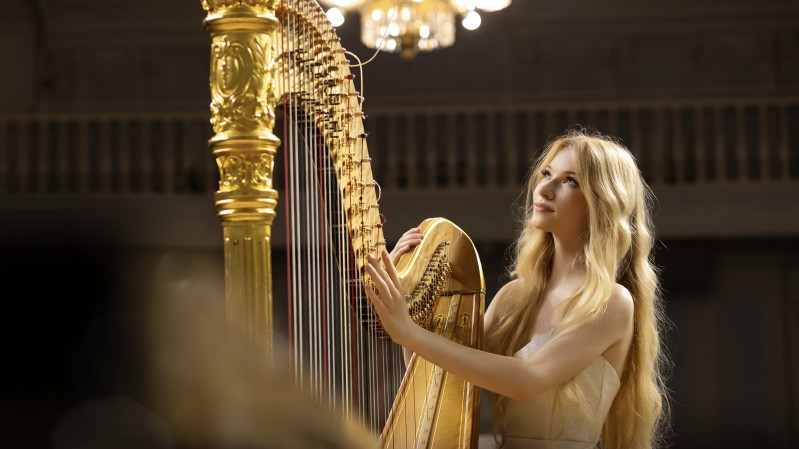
<point>471,21</point>
<point>409,26</point>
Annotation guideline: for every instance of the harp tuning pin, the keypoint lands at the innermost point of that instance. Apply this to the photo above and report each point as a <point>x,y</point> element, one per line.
<point>350,76</point>
<point>363,135</point>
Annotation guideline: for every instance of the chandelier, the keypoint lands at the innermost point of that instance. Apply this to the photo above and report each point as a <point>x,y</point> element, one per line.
<point>409,26</point>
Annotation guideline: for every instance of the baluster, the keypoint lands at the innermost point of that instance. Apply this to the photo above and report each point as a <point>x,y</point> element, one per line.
<point>551,124</point>
<point>168,156</point>
<point>433,152</point>
<point>700,143</point>
<point>471,151</point>
<point>763,142</point>
<point>511,153</point>
<point>678,149</point>
<point>187,162</point>
<point>145,157</point>
<point>658,160</point>
<point>741,144</point>
<point>104,156</point>
<point>452,153</point>
<point>410,152</point>
<point>491,150</point>
<point>62,155</point>
<point>593,118</point>
<point>718,123</point>
<point>43,169</point>
<point>571,117</point>
<point>83,156</point>
<point>613,121</point>
<point>635,135</point>
<point>23,160</point>
<point>392,172</point>
<point>531,136</point>
<point>5,182</point>
<point>784,129</point>
<point>124,155</point>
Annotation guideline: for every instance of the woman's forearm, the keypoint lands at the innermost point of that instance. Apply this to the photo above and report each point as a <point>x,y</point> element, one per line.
<point>504,375</point>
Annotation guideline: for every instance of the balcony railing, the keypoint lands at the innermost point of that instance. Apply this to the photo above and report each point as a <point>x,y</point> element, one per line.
<point>744,141</point>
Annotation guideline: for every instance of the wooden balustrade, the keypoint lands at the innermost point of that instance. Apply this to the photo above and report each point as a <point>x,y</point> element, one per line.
<point>743,141</point>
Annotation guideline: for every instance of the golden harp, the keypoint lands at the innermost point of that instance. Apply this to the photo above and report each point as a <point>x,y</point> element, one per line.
<point>270,54</point>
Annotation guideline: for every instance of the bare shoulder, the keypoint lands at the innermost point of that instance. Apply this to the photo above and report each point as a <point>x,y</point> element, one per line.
<point>620,306</point>
<point>499,305</point>
<point>506,295</point>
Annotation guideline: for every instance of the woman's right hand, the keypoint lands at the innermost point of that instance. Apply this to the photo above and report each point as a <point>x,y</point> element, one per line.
<point>412,238</point>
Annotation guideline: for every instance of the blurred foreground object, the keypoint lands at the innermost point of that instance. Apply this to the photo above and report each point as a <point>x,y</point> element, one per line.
<point>214,392</point>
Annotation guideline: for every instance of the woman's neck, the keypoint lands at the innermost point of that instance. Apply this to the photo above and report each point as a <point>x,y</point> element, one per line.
<point>567,268</point>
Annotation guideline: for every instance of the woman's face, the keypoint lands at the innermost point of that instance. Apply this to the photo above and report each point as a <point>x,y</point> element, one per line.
<point>560,206</point>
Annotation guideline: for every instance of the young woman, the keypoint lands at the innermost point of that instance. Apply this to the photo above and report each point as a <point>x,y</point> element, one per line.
<point>572,342</point>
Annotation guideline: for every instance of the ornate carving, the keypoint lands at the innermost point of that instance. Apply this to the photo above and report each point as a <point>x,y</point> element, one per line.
<point>215,5</point>
<point>242,83</point>
<point>245,172</point>
<point>463,331</point>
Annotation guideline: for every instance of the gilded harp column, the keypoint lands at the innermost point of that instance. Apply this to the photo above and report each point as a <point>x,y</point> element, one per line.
<point>242,114</point>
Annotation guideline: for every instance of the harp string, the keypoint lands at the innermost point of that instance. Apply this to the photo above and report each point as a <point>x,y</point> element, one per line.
<point>333,354</point>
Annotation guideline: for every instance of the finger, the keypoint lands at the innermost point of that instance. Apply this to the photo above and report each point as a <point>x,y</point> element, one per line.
<point>414,238</point>
<point>400,250</point>
<point>380,278</point>
<point>416,230</point>
<point>394,290</point>
<point>392,270</point>
<point>412,234</point>
<point>409,240</point>
<point>375,298</point>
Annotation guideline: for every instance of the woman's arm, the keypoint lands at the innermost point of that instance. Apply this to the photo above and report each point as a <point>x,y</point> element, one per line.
<point>556,362</point>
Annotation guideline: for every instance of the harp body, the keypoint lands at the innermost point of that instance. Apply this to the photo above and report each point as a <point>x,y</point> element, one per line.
<point>434,409</point>
<point>268,54</point>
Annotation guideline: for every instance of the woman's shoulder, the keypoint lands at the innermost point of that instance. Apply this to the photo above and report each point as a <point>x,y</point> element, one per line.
<point>620,305</point>
<point>500,304</point>
<point>510,292</point>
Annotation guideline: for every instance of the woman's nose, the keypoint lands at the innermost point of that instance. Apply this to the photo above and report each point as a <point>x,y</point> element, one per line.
<point>545,189</point>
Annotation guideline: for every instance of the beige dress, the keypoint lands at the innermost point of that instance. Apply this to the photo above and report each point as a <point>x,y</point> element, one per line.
<point>540,424</point>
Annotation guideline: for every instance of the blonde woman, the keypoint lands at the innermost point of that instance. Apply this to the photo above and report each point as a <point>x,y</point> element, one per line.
<point>573,347</point>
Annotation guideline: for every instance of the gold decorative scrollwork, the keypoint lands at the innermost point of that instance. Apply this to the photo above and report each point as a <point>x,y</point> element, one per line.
<point>215,5</point>
<point>245,172</point>
<point>438,324</point>
<point>464,328</point>
<point>242,84</point>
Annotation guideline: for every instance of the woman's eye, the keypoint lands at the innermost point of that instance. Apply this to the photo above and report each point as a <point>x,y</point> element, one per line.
<point>545,174</point>
<point>572,181</point>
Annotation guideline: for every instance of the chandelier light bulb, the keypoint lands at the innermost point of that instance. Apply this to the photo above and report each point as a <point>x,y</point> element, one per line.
<point>471,20</point>
<point>346,4</point>
<point>335,16</point>
<point>409,26</point>
<point>424,31</point>
<point>491,5</point>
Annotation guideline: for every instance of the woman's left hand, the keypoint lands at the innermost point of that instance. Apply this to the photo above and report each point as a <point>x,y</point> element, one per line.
<point>389,299</point>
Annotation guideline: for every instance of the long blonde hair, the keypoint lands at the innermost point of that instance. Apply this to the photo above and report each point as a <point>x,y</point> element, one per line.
<point>618,250</point>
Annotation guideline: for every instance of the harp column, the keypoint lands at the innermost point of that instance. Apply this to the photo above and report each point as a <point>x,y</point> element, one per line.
<point>243,103</point>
